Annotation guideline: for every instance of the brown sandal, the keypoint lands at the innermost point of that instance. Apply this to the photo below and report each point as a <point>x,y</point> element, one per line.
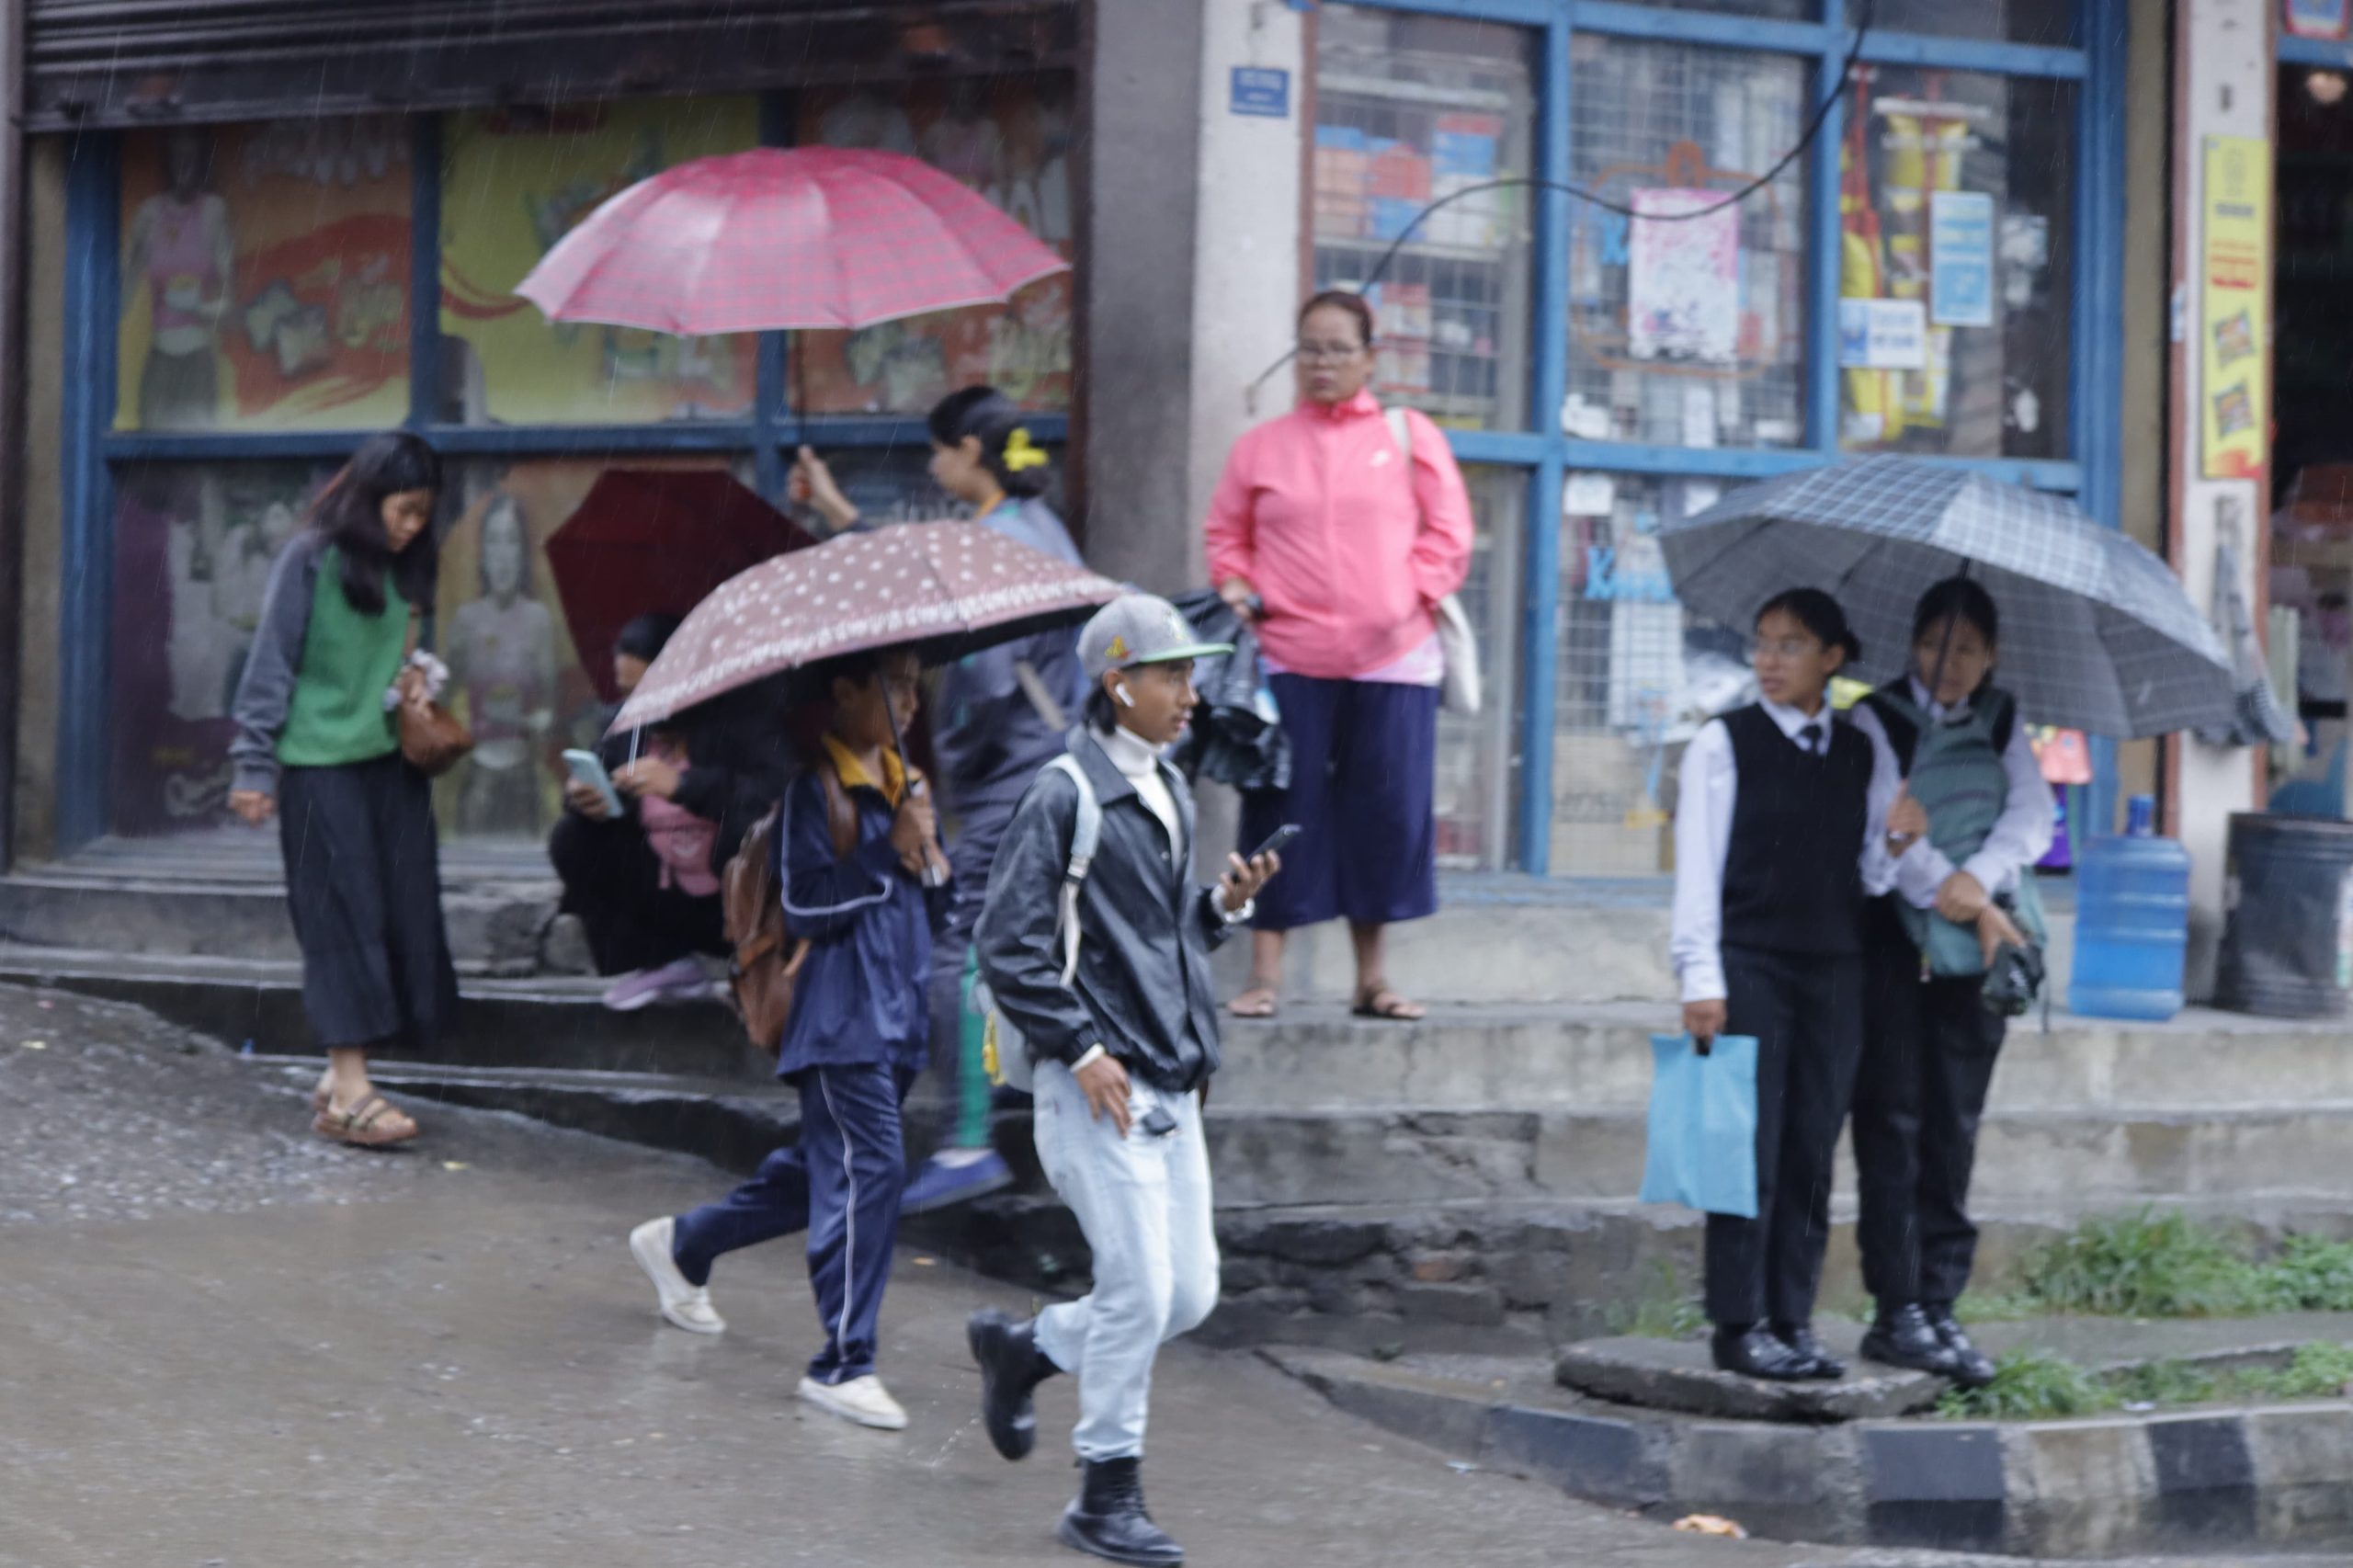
<point>366,1124</point>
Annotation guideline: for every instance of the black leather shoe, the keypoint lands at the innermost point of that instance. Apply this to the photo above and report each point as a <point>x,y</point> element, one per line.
<point>1108,1518</point>
<point>1820,1363</point>
<point>1902,1337</point>
<point>1973,1369</point>
<point>1754,1352</point>
<point>1011,1367</point>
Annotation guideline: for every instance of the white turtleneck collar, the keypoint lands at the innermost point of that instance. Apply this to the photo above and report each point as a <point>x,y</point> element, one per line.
<point>1137,761</point>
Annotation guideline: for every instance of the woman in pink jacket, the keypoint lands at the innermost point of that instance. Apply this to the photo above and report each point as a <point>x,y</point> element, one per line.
<point>1338,547</point>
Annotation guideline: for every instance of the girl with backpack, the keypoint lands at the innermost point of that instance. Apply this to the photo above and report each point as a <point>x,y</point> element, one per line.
<point>1775,850</point>
<point>1971,818</point>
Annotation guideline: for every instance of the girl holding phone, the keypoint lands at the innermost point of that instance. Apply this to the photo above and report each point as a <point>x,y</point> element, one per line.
<point>1775,851</point>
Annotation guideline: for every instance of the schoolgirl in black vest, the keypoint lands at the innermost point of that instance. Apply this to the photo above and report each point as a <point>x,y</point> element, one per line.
<point>1972,818</point>
<point>1773,840</point>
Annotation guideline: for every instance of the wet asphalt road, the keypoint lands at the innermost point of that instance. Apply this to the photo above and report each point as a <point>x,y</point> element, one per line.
<point>228,1347</point>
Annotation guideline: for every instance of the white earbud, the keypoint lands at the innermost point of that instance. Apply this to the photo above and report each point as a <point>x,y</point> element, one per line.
<point>1122,691</point>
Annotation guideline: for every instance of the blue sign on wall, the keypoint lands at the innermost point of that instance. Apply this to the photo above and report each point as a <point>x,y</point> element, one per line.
<point>1261,90</point>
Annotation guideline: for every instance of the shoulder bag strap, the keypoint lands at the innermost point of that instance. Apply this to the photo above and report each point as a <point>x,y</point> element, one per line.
<point>841,816</point>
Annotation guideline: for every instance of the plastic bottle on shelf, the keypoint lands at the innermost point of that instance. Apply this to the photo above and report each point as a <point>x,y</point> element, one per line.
<point>2132,920</point>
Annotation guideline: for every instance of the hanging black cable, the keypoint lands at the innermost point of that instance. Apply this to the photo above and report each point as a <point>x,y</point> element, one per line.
<point>1806,139</point>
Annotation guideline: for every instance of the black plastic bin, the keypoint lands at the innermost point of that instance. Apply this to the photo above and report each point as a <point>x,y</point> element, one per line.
<point>2288,945</point>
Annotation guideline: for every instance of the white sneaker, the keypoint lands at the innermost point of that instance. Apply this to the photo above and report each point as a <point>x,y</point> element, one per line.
<point>862,1399</point>
<point>687,1306</point>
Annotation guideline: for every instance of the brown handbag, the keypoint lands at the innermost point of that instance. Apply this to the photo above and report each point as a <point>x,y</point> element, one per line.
<point>764,958</point>
<point>433,739</point>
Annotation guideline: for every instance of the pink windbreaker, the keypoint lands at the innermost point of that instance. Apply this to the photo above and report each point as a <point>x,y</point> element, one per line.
<point>1310,511</point>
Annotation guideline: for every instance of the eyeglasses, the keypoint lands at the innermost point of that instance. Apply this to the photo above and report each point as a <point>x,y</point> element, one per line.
<point>1327,352</point>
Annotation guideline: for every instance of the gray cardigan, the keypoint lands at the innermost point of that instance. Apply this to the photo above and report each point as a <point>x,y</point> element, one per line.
<point>266,689</point>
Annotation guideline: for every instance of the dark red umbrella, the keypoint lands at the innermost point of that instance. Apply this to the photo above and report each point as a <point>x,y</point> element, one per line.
<point>944,589</point>
<point>655,540</point>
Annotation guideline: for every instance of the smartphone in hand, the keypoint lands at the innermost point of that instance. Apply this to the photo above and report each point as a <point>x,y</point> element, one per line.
<point>587,767</point>
<point>1276,841</point>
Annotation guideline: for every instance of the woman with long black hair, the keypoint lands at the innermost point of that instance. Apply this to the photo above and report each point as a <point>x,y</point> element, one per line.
<point>1970,820</point>
<point>319,749</point>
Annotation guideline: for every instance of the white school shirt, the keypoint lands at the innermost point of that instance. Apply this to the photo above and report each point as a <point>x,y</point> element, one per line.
<point>2021,835</point>
<point>1707,787</point>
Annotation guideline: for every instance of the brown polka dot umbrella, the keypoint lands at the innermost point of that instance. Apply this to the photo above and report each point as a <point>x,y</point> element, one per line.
<point>945,589</point>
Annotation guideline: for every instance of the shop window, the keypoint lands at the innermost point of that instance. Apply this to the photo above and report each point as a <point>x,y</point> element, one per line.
<point>1777,10</point>
<point>516,180</point>
<point>515,675</point>
<point>1957,196</point>
<point>1474,754</point>
<point>1637,677</point>
<point>193,547</point>
<point>1009,139</point>
<point>265,277</point>
<point>1688,332</point>
<point>2047,22</point>
<point>1410,110</point>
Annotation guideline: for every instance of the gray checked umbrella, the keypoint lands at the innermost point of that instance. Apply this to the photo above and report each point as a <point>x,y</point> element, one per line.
<point>2096,633</point>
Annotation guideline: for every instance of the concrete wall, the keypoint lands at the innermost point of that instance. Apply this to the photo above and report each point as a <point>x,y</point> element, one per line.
<point>1246,261</point>
<point>2148,280</point>
<point>2224,72</point>
<point>1145,100</point>
<point>44,539</point>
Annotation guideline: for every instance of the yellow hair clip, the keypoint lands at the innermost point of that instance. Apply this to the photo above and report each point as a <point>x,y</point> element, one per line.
<point>1019,453</point>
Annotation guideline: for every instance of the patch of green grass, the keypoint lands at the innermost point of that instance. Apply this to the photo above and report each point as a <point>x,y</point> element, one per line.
<point>1998,1306</point>
<point>2143,1264</point>
<point>2318,1371</point>
<point>2167,1382</point>
<point>2031,1385</point>
<point>2311,1276</point>
<point>1664,1308</point>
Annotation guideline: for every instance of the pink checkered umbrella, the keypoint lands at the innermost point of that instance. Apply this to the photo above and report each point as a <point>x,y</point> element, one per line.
<point>786,238</point>
<point>945,589</point>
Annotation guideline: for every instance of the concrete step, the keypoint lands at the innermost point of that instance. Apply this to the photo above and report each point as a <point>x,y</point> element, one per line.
<point>1500,938</point>
<point>1595,1056</point>
<point>549,1021</point>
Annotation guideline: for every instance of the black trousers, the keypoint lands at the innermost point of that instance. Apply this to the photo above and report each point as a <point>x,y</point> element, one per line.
<point>1927,1063</point>
<point>1806,1013</point>
<point>612,880</point>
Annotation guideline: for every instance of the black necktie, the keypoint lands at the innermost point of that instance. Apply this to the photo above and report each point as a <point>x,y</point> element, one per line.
<point>1817,741</point>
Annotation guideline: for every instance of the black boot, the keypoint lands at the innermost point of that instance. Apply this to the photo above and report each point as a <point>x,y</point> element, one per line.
<point>1752,1351</point>
<point>1902,1337</point>
<point>1820,1363</point>
<point>1011,1367</point>
<point>1973,1369</point>
<point>1108,1518</point>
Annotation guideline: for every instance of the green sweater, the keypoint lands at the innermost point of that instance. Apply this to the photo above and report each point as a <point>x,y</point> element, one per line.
<point>336,713</point>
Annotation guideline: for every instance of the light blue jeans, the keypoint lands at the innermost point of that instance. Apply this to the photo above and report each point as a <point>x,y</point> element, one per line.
<point>1143,1203</point>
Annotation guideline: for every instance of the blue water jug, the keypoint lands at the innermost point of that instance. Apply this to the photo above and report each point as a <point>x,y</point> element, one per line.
<point>2131,924</point>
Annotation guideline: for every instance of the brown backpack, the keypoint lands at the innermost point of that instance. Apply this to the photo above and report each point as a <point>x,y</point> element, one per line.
<point>766,957</point>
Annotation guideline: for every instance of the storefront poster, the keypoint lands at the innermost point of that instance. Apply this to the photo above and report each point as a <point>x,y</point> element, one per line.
<point>265,277</point>
<point>193,547</point>
<point>2235,308</point>
<point>1882,334</point>
<point>518,180</point>
<point>1683,278</point>
<point>2317,19</point>
<point>1009,140</point>
<point>1961,251</point>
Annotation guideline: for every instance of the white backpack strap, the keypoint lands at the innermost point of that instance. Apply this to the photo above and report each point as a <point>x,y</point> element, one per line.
<point>1086,834</point>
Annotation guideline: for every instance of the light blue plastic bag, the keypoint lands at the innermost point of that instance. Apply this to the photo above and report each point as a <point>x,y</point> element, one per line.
<point>1703,1149</point>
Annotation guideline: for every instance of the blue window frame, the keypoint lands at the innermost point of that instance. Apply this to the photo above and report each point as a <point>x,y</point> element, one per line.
<point>95,450</point>
<point>2095,325</point>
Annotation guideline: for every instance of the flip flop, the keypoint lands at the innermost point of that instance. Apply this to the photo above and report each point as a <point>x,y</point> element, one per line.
<point>1266,1005</point>
<point>1387,1006</point>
